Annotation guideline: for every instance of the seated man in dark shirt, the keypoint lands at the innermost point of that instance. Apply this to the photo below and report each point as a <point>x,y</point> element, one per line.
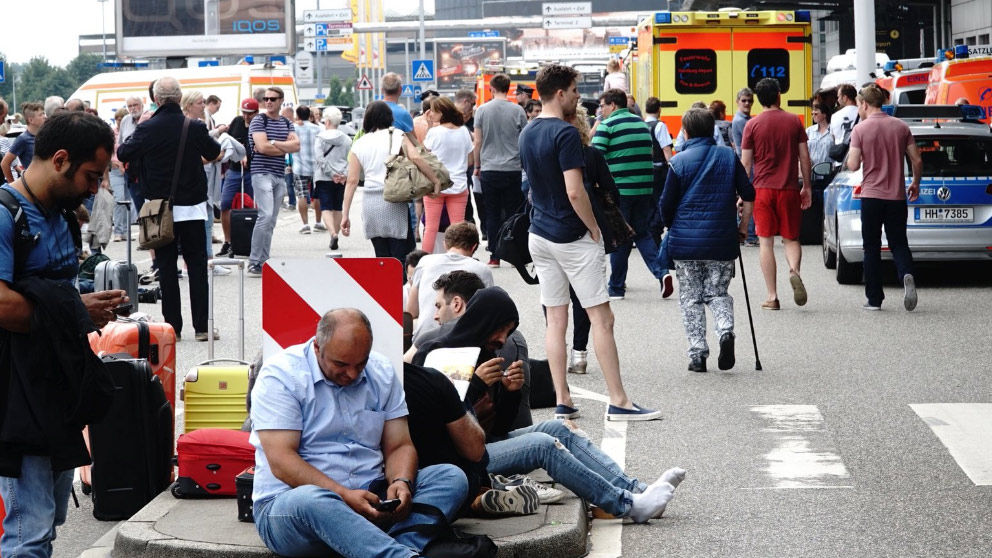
<point>569,457</point>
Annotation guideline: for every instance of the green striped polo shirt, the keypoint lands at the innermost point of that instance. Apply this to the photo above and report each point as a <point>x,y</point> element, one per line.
<point>625,140</point>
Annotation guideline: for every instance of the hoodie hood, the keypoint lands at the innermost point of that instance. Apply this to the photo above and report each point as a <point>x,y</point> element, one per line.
<point>487,311</point>
<point>333,137</point>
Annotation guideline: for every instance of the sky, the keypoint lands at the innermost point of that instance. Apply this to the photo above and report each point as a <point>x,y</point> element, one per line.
<point>51,28</point>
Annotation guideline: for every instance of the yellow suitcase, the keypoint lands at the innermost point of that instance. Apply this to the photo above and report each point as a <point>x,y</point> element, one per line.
<point>214,392</point>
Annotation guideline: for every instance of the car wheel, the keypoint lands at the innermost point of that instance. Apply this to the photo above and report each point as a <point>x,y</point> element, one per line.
<point>848,273</point>
<point>829,256</point>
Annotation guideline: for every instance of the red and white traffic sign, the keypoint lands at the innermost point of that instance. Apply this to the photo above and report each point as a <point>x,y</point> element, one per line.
<point>296,293</point>
<point>364,84</point>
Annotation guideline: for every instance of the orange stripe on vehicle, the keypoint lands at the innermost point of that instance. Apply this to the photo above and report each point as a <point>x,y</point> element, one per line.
<point>144,84</point>
<point>113,100</point>
<point>272,80</point>
<point>712,41</point>
<point>749,41</point>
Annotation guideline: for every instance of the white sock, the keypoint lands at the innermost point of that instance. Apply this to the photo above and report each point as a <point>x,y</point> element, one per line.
<point>651,502</point>
<point>673,476</point>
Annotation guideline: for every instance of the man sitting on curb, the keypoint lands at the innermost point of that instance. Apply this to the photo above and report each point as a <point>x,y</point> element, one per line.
<point>570,458</point>
<point>452,291</point>
<point>332,441</point>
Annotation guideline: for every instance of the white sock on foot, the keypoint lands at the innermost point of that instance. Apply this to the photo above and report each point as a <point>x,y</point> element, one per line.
<point>673,476</point>
<point>651,502</point>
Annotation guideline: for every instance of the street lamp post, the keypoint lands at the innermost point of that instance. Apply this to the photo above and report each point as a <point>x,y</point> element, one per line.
<point>103,23</point>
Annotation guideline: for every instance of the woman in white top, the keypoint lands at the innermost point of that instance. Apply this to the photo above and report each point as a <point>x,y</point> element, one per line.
<point>615,78</point>
<point>194,107</point>
<point>819,137</point>
<point>451,143</point>
<point>386,224</point>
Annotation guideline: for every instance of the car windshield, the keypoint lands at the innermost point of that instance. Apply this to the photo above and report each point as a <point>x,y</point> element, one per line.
<point>955,156</point>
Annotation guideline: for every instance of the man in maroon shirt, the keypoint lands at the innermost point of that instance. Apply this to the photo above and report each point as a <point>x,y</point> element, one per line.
<point>884,192</point>
<point>775,142</point>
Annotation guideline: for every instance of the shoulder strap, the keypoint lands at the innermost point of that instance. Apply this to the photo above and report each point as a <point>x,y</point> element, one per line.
<point>22,235</point>
<point>179,158</point>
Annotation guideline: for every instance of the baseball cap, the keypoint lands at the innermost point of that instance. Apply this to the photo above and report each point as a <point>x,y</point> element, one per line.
<point>249,105</point>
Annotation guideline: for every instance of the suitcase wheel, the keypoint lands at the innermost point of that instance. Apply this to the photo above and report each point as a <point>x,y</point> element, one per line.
<point>176,491</point>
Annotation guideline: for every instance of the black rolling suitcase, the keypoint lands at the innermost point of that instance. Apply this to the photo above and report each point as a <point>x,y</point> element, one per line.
<point>243,225</point>
<point>132,446</point>
<point>118,274</point>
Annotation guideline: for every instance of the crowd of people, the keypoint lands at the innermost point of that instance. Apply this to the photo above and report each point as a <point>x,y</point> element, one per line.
<point>338,435</point>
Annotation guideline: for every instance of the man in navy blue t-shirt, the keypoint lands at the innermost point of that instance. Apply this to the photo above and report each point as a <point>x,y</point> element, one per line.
<point>565,240</point>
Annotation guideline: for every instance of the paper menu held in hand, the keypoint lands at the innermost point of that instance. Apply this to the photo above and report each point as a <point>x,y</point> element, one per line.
<point>458,364</point>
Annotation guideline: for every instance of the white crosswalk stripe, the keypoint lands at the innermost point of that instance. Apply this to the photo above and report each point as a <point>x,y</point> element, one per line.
<point>966,430</point>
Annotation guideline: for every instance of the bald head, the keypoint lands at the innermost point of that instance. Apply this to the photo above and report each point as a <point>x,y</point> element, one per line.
<point>343,345</point>
<point>342,320</point>
<point>167,90</point>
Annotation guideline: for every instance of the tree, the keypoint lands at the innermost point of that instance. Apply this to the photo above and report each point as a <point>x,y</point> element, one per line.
<point>35,79</point>
<point>83,67</point>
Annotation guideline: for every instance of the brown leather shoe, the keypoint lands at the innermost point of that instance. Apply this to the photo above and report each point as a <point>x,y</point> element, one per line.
<point>771,305</point>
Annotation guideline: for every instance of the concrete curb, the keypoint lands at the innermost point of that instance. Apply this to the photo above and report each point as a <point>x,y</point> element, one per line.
<point>168,527</point>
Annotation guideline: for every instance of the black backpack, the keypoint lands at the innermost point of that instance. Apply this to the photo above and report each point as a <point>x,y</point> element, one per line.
<point>511,244</point>
<point>446,541</point>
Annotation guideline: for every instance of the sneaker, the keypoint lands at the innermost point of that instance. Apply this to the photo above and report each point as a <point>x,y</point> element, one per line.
<point>334,242</point>
<point>516,500</point>
<point>614,413</point>
<point>771,305</point>
<point>697,364</point>
<point>221,270</point>
<point>319,227</point>
<point>616,295</point>
<point>202,336</point>
<point>909,298</point>
<point>871,307</point>
<point>215,240</point>
<point>798,289</point>
<point>254,271</point>
<point>667,288</point>
<point>566,412</point>
<point>305,229</point>
<point>225,251</point>
<point>578,363</point>
<point>545,494</point>
<point>148,278</point>
<point>726,359</point>
<point>493,262</point>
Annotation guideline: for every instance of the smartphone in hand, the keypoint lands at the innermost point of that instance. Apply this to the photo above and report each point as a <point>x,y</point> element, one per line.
<point>387,505</point>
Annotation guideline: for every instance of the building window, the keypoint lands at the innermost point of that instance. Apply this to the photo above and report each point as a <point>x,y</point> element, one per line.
<point>983,39</point>
<point>970,41</point>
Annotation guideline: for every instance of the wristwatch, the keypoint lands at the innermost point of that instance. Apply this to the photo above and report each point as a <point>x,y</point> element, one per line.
<point>408,482</point>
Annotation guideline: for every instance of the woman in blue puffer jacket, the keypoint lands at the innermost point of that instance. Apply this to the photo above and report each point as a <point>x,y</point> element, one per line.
<point>700,205</point>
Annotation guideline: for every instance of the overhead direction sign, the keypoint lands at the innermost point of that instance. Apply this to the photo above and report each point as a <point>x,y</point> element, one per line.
<point>364,84</point>
<point>619,40</point>
<point>483,34</point>
<point>313,16</point>
<point>422,70</point>
<point>318,44</point>
<point>576,22</point>
<point>334,29</point>
<point>549,9</point>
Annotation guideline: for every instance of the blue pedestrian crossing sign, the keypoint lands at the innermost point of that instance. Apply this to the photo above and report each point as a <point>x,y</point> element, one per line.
<point>411,91</point>
<point>3,75</point>
<point>422,70</point>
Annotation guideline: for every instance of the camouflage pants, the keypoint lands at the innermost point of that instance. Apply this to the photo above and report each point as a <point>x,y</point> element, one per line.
<point>704,282</point>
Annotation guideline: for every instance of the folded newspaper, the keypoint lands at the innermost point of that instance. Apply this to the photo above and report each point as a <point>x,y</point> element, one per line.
<point>458,364</point>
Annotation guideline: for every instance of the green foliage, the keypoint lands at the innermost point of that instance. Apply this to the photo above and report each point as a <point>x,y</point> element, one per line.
<point>38,79</point>
<point>341,93</point>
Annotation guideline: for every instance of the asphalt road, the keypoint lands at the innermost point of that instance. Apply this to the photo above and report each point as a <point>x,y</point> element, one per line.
<point>818,454</point>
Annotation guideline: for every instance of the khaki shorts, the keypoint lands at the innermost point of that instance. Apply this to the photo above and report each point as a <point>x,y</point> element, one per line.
<point>581,264</point>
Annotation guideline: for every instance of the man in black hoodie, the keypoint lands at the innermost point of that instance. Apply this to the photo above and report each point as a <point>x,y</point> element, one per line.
<point>44,355</point>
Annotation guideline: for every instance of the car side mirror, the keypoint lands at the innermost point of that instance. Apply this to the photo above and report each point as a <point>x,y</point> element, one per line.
<point>823,169</point>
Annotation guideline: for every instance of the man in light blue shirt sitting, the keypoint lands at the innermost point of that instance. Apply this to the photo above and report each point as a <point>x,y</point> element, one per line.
<point>332,442</point>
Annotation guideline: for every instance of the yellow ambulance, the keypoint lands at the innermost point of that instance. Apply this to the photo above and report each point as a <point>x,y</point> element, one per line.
<point>684,57</point>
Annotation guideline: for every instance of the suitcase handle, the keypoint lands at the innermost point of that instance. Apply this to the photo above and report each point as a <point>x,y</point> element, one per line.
<point>240,264</point>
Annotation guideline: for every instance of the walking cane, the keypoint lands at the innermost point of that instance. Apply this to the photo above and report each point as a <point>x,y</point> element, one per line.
<point>750,318</point>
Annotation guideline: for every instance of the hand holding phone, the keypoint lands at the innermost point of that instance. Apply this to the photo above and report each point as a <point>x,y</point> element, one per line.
<point>387,505</point>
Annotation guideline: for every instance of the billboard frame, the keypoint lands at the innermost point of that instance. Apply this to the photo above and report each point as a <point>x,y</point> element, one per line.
<point>439,41</point>
<point>202,45</point>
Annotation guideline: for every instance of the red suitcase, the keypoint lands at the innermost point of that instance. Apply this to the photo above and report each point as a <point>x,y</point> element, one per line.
<point>209,460</point>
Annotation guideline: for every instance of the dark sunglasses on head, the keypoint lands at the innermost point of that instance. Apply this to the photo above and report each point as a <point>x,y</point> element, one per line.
<point>271,99</point>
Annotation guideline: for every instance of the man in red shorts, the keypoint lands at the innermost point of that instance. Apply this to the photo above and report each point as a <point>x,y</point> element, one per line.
<point>775,142</point>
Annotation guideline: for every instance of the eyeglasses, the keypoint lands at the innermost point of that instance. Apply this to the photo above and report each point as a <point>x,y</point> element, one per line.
<point>746,101</point>
<point>271,99</point>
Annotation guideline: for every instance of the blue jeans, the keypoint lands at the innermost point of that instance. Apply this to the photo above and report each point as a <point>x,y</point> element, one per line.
<point>311,521</point>
<point>290,188</point>
<point>637,211</point>
<point>891,214</point>
<point>36,504</point>
<point>269,190</point>
<point>503,199</point>
<point>664,261</point>
<point>570,459</point>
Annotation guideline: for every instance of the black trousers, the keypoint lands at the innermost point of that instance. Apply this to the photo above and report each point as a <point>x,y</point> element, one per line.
<point>892,215</point>
<point>503,199</point>
<point>190,234</point>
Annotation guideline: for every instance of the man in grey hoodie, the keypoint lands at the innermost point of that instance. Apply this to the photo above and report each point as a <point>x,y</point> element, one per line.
<point>330,169</point>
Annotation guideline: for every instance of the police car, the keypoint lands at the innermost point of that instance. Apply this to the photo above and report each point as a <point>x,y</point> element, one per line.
<point>951,220</point>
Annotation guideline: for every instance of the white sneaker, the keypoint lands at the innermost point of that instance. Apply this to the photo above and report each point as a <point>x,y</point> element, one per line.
<point>305,229</point>
<point>545,494</point>
<point>221,270</point>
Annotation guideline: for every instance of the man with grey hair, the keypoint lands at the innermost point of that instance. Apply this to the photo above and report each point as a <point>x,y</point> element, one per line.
<point>391,86</point>
<point>335,465</point>
<point>155,145</point>
<point>118,178</point>
<point>75,104</point>
<point>53,104</point>
<point>330,172</point>
<point>699,205</point>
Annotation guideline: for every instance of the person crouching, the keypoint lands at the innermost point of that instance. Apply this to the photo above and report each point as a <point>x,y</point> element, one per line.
<point>700,205</point>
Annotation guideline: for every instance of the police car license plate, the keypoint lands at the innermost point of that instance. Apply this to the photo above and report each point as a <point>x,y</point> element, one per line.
<point>945,214</point>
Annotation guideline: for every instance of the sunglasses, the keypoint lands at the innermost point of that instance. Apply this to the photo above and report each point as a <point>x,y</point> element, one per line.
<point>271,99</point>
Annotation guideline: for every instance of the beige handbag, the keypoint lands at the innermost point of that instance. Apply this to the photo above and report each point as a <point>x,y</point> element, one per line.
<point>155,224</point>
<point>404,181</point>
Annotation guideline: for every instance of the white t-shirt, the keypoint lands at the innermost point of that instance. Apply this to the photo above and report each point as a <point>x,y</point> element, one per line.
<point>429,269</point>
<point>372,150</point>
<point>451,146</point>
<point>847,114</point>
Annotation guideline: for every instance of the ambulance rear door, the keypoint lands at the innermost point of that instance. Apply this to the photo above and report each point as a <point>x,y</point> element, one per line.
<point>774,51</point>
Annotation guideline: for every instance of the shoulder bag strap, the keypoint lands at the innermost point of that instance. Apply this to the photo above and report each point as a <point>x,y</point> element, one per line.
<point>179,159</point>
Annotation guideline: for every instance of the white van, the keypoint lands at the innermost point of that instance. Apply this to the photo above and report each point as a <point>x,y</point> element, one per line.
<point>107,92</point>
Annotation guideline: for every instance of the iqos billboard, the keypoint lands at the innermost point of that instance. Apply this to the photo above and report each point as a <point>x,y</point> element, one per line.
<point>161,28</point>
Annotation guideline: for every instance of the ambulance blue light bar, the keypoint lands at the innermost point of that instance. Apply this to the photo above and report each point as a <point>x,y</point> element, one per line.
<point>663,17</point>
<point>803,15</point>
<point>935,112</point>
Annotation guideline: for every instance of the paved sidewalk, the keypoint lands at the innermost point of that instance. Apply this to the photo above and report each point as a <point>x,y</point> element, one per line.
<point>168,527</point>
